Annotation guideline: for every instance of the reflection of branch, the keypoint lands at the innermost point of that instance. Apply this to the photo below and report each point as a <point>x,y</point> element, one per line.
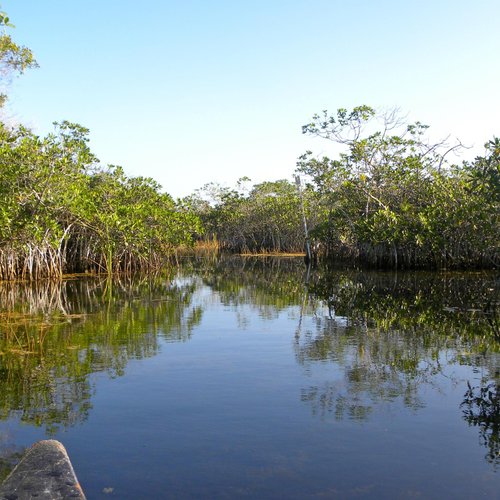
<point>330,400</point>
<point>304,300</point>
<point>492,313</point>
<point>48,357</point>
<point>481,408</point>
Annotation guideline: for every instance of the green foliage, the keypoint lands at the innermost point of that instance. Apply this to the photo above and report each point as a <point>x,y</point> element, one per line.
<point>14,59</point>
<point>61,212</point>
<point>266,217</point>
<point>392,199</point>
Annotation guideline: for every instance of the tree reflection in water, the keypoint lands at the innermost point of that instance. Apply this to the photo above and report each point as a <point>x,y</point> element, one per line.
<point>387,335</point>
<point>481,408</point>
<point>391,335</point>
<point>55,335</point>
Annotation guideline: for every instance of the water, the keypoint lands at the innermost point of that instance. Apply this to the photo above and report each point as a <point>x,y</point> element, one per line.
<point>255,379</point>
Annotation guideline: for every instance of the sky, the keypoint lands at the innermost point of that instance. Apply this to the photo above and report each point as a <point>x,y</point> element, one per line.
<point>196,91</point>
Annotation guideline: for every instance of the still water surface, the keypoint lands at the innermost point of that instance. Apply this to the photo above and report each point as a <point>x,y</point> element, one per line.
<point>256,379</point>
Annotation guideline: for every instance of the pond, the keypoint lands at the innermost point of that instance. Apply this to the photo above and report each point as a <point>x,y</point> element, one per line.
<point>258,378</point>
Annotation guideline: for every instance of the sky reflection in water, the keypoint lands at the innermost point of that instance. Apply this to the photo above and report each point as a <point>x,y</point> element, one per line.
<point>248,378</point>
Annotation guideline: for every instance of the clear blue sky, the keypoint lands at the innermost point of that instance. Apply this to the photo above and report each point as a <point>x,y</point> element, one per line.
<point>194,91</point>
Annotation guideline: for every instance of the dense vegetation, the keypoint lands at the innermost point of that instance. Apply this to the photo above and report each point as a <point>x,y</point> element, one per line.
<point>61,212</point>
<point>393,199</point>
<point>265,217</point>
<point>66,214</point>
<point>390,199</point>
